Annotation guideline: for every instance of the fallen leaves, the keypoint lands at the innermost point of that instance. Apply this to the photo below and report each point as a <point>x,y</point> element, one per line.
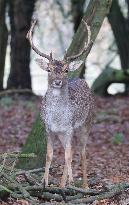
<point>108,143</point>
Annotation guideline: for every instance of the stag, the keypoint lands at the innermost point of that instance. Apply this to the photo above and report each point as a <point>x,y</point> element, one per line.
<point>67,107</point>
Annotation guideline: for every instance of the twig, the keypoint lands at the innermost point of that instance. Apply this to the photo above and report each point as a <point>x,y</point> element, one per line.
<point>29,171</point>
<point>25,194</point>
<point>17,155</point>
<point>30,179</point>
<point>34,170</point>
<point>58,198</point>
<point>50,196</point>
<point>115,190</point>
<point>3,163</point>
<point>70,194</point>
<point>15,91</point>
<point>54,190</point>
<point>7,192</point>
<point>77,196</point>
<point>85,192</point>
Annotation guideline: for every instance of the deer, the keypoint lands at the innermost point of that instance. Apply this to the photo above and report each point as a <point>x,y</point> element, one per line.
<point>67,107</point>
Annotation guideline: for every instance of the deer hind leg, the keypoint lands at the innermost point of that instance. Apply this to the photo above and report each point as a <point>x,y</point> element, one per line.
<point>84,168</point>
<point>49,157</point>
<point>64,176</point>
<point>84,138</point>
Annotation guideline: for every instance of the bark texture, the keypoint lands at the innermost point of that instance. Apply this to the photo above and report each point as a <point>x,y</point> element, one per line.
<point>20,12</point>
<point>3,40</point>
<point>120,28</point>
<point>36,143</point>
<point>106,78</point>
<point>94,15</point>
<point>77,9</point>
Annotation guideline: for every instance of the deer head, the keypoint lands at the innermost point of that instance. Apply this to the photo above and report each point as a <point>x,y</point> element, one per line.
<point>58,69</point>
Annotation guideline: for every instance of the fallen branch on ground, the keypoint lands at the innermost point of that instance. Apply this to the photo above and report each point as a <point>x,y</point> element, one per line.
<point>32,190</point>
<point>113,191</point>
<point>16,91</point>
<point>17,155</point>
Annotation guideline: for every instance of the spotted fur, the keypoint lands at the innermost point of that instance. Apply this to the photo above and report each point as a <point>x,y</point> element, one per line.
<point>67,109</point>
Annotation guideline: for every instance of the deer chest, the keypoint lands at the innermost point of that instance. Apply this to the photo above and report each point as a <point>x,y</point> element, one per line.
<point>58,116</point>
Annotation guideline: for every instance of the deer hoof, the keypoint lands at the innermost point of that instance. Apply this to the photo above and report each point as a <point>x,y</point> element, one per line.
<point>44,182</point>
<point>85,186</point>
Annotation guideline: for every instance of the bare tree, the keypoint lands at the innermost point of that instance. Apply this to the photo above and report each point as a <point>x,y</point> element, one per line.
<point>3,40</point>
<point>20,12</point>
<point>77,10</point>
<point>120,28</point>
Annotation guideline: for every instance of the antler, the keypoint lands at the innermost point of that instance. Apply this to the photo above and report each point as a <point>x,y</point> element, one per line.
<point>29,37</point>
<point>86,46</point>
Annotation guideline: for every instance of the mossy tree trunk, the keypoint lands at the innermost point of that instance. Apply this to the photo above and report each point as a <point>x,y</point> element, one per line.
<point>106,78</point>
<point>94,16</point>
<point>3,40</point>
<point>120,28</point>
<point>35,143</point>
<point>77,11</point>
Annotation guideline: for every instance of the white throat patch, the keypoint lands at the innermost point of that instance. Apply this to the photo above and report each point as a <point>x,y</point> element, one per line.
<point>56,91</point>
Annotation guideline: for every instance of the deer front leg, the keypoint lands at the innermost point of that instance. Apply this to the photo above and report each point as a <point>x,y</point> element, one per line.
<point>68,161</point>
<point>49,157</point>
<point>67,172</point>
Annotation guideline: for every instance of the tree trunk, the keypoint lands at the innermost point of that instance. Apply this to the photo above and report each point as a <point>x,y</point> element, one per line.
<point>20,12</point>
<point>36,143</point>
<point>120,28</point>
<point>94,15</point>
<point>3,40</point>
<point>106,78</point>
<point>77,8</point>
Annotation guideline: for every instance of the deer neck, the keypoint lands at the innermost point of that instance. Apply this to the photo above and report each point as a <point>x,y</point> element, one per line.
<point>59,93</point>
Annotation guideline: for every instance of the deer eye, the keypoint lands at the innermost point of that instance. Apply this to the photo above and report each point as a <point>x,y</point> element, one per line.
<point>48,70</point>
<point>66,71</point>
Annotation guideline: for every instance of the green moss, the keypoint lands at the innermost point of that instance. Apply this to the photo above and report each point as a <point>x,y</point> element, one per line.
<point>35,143</point>
<point>118,138</point>
<point>6,101</point>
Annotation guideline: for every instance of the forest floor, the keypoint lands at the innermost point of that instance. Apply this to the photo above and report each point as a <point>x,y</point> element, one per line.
<point>108,143</point>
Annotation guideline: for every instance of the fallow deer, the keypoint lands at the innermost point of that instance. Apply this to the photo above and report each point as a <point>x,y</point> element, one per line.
<point>67,107</point>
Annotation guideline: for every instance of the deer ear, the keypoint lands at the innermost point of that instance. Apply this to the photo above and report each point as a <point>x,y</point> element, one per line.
<point>42,63</point>
<point>75,65</point>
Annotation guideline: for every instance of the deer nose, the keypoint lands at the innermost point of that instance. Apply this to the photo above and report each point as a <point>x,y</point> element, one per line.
<point>57,83</point>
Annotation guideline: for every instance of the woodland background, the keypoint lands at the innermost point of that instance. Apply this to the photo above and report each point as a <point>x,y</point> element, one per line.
<point>22,84</point>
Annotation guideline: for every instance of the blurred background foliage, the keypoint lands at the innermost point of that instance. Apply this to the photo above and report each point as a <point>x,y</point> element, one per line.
<point>106,68</point>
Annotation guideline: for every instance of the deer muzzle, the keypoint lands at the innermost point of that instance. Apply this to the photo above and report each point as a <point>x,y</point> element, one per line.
<point>57,83</point>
